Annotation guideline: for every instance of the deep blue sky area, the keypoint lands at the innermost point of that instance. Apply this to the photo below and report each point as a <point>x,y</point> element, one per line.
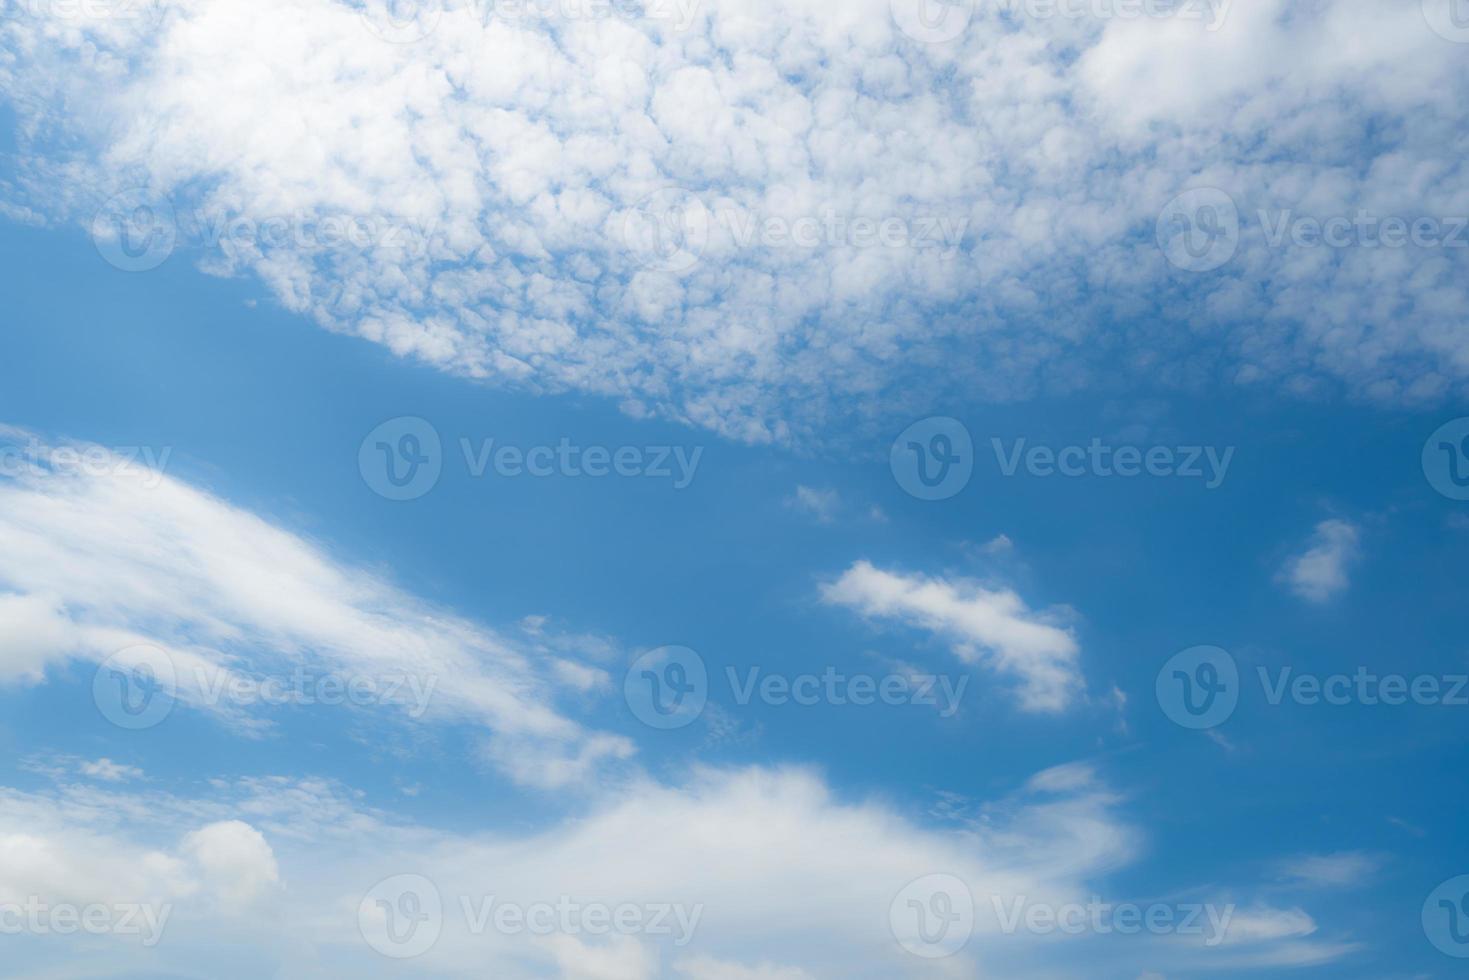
<point>267,412</point>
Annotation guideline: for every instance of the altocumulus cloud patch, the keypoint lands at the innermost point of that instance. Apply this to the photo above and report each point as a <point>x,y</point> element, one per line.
<point>755,217</point>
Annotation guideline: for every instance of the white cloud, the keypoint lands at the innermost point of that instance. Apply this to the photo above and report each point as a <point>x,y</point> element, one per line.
<point>109,771</point>
<point>1342,869</point>
<point>1321,572</point>
<point>101,559</point>
<point>988,626</point>
<point>707,968</point>
<point>764,854</point>
<point>236,861</point>
<point>822,505</point>
<point>514,152</point>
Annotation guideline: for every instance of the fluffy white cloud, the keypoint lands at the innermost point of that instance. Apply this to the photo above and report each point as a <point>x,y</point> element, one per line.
<point>989,626</point>
<point>1321,572</point>
<point>507,178</point>
<point>235,859</point>
<point>99,559</point>
<point>761,858</point>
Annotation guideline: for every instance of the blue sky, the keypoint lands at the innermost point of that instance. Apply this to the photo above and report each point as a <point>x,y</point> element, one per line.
<point>226,523</point>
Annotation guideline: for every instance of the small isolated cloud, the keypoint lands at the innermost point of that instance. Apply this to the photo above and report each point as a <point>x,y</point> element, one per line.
<point>1330,870</point>
<point>1000,544</point>
<point>109,771</point>
<point>989,626</point>
<point>819,504</point>
<point>1321,573</point>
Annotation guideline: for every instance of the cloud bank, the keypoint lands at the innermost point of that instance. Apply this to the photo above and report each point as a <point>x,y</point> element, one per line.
<point>768,219</point>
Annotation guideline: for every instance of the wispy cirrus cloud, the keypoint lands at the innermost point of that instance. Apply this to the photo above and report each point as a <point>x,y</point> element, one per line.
<point>99,560</point>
